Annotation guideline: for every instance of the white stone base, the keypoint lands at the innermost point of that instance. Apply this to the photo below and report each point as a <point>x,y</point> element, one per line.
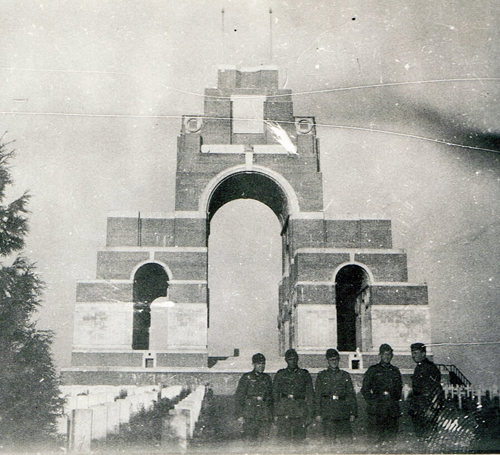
<point>316,327</point>
<point>178,326</point>
<point>103,325</point>
<point>400,325</point>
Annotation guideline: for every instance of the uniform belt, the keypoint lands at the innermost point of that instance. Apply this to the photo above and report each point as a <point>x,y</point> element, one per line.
<point>333,397</point>
<point>383,394</point>
<point>291,396</point>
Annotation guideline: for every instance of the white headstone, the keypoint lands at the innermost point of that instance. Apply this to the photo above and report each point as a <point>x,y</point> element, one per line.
<point>80,430</point>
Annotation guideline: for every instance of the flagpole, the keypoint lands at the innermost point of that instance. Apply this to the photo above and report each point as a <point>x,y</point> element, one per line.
<point>270,35</point>
<point>223,38</point>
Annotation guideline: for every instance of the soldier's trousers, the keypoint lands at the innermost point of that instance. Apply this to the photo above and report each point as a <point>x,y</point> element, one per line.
<point>339,430</point>
<point>383,427</point>
<point>424,411</point>
<point>291,428</point>
<point>256,429</point>
<point>420,425</point>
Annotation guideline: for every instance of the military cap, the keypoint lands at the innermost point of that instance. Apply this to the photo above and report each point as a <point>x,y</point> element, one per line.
<point>384,348</point>
<point>291,353</point>
<point>332,353</point>
<point>258,358</point>
<point>418,347</point>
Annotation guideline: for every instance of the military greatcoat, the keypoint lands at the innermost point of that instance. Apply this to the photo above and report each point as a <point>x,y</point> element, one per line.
<point>382,385</point>
<point>427,396</point>
<point>293,393</point>
<point>334,395</point>
<point>254,396</point>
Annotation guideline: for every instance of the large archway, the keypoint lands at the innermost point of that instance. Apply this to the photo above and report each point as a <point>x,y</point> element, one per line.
<point>245,264</point>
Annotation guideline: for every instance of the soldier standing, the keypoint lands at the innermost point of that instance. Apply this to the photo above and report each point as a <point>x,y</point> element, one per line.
<point>382,386</point>
<point>427,394</point>
<point>335,400</point>
<point>293,398</point>
<point>254,400</point>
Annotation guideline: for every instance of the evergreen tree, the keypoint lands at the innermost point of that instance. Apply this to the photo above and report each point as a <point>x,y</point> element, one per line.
<point>29,393</point>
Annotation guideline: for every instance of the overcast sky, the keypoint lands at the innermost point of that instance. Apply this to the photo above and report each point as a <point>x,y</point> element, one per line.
<point>92,92</point>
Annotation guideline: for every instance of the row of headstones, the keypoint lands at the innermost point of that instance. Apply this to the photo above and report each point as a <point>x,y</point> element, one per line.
<point>84,397</point>
<point>181,422</point>
<point>477,393</point>
<point>459,427</point>
<point>96,415</point>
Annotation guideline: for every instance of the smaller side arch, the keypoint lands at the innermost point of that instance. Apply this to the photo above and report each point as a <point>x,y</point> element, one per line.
<point>150,281</point>
<point>367,270</point>
<point>169,273</point>
<point>352,300</point>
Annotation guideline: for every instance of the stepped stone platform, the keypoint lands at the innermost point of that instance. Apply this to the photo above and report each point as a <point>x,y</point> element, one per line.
<point>222,378</point>
<point>221,381</point>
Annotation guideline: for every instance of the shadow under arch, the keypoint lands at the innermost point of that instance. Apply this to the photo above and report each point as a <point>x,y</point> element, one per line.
<point>249,185</point>
<point>352,301</point>
<point>150,282</point>
<point>259,183</point>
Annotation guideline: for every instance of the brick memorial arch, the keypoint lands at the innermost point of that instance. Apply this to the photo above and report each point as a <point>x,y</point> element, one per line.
<point>343,283</point>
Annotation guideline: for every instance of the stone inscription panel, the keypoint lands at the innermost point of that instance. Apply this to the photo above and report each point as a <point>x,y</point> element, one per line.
<point>400,326</point>
<point>103,325</point>
<point>187,326</point>
<point>317,326</point>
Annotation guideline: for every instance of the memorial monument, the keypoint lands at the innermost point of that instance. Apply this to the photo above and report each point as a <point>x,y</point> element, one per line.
<point>343,284</point>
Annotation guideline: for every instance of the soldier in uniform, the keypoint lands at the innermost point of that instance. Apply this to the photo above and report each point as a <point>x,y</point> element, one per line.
<point>427,394</point>
<point>293,399</point>
<point>335,401</point>
<point>382,386</point>
<point>254,400</point>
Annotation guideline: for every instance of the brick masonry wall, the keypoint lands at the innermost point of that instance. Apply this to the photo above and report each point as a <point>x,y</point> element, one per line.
<point>315,294</point>
<point>151,232</point>
<point>358,234</point>
<point>223,383</point>
<point>307,234</point>
<point>157,232</point>
<point>375,234</point>
<point>181,359</point>
<point>185,265</point>
<point>318,266</point>
<point>131,359</point>
<point>385,266</point>
<point>188,292</point>
<point>398,295</point>
<point>103,291</point>
<point>113,265</point>
<point>191,232</point>
<point>122,231</point>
